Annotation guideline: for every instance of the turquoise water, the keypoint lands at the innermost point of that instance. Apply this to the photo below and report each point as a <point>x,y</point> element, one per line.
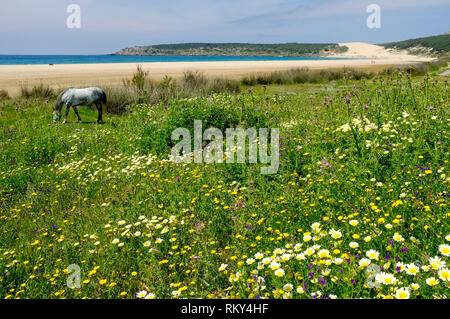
<point>82,59</point>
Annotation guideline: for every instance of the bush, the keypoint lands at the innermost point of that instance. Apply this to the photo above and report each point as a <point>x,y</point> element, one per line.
<point>139,80</point>
<point>4,95</point>
<point>163,91</point>
<point>303,75</point>
<point>223,85</point>
<point>119,98</point>
<point>140,89</point>
<point>181,113</point>
<point>37,91</point>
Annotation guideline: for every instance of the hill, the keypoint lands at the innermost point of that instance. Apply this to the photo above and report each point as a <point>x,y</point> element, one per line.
<point>434,44</point>
<point>235,49</point>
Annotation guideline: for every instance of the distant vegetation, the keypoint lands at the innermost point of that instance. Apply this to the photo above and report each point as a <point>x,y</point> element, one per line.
<point>434,44</point>
<point>235,49</point>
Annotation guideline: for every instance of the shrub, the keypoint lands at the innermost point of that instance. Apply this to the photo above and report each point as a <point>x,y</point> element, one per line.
<point>303,75</point>
<point>163,91</point>
<point>119,98</point>
<point>4,95</point>
<point>181,113</point>
<point>139,79</point>
<point>37,91</point>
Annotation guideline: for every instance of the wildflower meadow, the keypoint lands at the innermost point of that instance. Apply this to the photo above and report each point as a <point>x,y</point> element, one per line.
<point>357,209</point>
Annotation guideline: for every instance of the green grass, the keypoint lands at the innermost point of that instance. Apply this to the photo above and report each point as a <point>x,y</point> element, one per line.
<point>380,158</point>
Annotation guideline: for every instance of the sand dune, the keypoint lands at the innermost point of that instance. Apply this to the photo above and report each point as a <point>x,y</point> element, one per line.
<point>371,51</point>
<point>364,56</point>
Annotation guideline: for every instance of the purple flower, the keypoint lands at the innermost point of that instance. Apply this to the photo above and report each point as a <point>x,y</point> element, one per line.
<point>322,281</point>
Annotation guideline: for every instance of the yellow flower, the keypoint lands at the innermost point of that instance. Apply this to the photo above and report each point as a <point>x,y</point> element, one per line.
<point>444,274</point>
<point>444,249</point>
<point>432,281</point>
<point>402,293</point>
<point>279,272</point>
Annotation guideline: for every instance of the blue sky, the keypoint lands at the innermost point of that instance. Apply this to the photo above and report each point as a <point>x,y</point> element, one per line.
<point>39,27</point>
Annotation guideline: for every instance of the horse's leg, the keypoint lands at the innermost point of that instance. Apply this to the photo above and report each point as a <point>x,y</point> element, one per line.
<point>76,112</point>
<point>67,113</point>
<point>100,111</point>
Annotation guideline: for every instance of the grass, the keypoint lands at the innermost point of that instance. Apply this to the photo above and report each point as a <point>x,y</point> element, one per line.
<point>142,89</point>
<point>363,179</point>
<point>37,91</point>
<point>304,75</point>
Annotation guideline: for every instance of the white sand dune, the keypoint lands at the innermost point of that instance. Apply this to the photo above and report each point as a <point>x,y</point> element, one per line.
<point>371,51</point>
<point>364,56</point>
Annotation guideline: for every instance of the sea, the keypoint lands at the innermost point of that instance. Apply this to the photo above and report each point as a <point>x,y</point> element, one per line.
<point>89,59</point>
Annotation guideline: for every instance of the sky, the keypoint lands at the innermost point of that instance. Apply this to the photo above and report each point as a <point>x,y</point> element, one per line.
<point>106,26</point>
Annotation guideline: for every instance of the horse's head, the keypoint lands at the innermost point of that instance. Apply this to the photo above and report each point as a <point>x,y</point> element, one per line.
<point>55,116</point>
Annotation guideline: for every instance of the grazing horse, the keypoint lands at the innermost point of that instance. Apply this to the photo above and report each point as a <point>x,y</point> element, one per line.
<point>73,97</point>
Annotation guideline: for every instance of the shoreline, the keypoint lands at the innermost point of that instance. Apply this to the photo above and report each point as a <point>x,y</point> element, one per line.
<point>360,56</point>
<point>60,76</point>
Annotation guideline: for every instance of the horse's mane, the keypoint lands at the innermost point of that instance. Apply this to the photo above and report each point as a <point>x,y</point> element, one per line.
<point>59,99</point>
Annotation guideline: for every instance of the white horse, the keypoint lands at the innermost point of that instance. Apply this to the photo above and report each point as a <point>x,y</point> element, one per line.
<point>73,97</point>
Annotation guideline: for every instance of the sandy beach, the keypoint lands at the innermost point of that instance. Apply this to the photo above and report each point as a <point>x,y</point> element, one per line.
<point>363,56</point>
